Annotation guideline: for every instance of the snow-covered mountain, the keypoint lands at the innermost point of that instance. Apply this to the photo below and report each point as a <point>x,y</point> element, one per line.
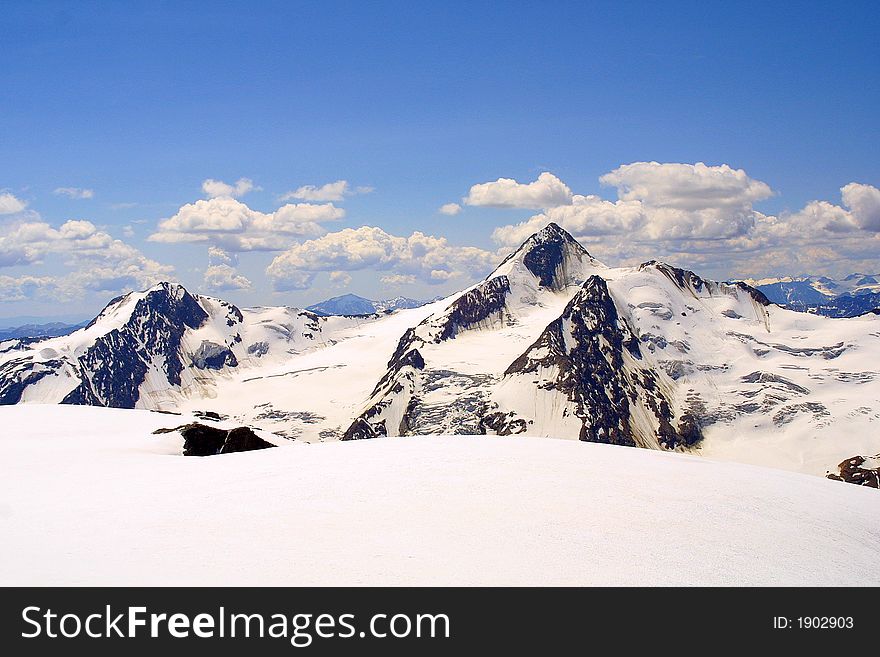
<point>552,343</point>
<point>152,349</point>
<point>851,296</point>
<point>352,304</point>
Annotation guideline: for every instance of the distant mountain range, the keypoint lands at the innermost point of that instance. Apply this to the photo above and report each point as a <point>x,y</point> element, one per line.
<point>352,304</point>
<point>851,296</point>
<point>48,330</point>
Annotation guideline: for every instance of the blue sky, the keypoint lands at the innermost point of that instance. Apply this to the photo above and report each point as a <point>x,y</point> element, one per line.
<point>142,102</point>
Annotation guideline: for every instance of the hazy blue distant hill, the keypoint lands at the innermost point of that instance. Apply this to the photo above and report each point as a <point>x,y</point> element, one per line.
<point>352,304</point>
<point>48,330</point>
<point>851,296</point>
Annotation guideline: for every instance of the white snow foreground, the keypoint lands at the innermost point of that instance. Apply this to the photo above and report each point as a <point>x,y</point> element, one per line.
<point>91,497</point>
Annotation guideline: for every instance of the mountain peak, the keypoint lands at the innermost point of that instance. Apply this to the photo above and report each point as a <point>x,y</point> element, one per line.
<point>552,232</point>
<point>552,256</point>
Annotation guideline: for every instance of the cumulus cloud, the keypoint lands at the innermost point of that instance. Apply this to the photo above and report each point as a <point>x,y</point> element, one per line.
<point>335,191</point>
<point>685,186</point>
<point>217,188</point>
<point>683,201</point>
<point>23,288</point>
<point>864,201</point>
<point>818,219</point>
<point>429,259</point>
<point>291,279</point>
<point>703,216</point>
<point>587,216</point>
<point>74,192</point>
<point>340,278</point>
<point>97,260</point>
<point>9,204</point>
<point>657,202</point>
<point>224,277</point>
<point>398,279</point>
<point>545,192</point>
<point>218,256</point>
<point>450,209</point>
<point>233,226</point>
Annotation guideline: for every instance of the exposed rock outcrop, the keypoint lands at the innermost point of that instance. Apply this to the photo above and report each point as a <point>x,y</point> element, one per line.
<point>591,355</point>
<point>859,470</point>
<point>204,440</point>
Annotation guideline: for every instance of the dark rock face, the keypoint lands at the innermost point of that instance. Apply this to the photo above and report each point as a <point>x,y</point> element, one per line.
<point>398,379</point>
<point>363,429</point>
<point>112,369</point>
<point>852,472</point>
<point>212,356</point>
<point>774,381</point>
<point>544,254</point>
<point>243,439</point>
<point>478,305</point>
<point>502,424</point>
<point>484,304</point>
<point>586,349</point>
<point>18,374</point>
<point>202,440</point>
<point>258,349</point>
<point>543,260</point>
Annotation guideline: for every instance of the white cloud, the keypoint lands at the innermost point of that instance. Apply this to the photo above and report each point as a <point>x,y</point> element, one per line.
<point>98,261</point>
<point>690,201</point>
<point>685,186</point>
<point>587,216</point>
<point>292,280</point>
<point>74,192</point>
<point>821,238</point>
<point>224,277</point>
<point>233,226</point>
<point>824,220</point>
<point>335,191</point>
<point>817,217</point>
<point>217,188</point>
<point>340,278</point>
<point>545,192</point>
<point>450,209</point>
<point>9,204</point>
<point>427,258</point>
<point>864,201</point>
<point>657,202</point>
<point>23,288</point>
<point>398,279</point>
<point>702,216</point>
<point>218,256</point>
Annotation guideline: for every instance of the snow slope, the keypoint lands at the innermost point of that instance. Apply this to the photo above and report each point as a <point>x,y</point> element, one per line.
<point>88,496</point>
